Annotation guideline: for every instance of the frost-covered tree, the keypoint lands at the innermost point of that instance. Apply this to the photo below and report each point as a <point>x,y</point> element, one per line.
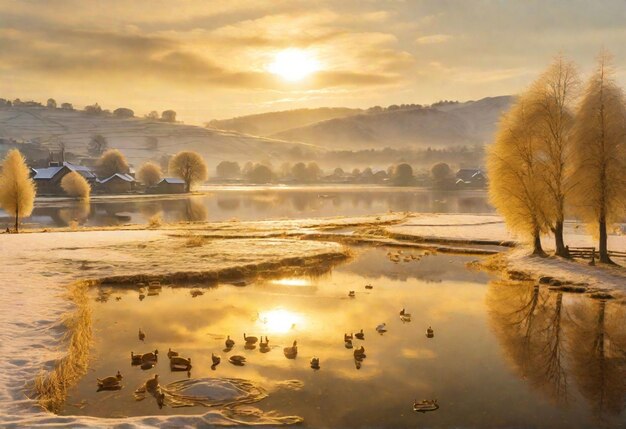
<point>149,174</point>
<point>599,154</point>
<point>516,187</point>
<point>97,145</point>
<point>551,115</point>
<point>17,189</point>
<point>190,167</point>
<point>75,185</point>
<point>111,162</point>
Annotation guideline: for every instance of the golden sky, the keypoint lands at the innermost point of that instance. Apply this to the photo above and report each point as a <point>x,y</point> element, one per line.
<point>216,59</point>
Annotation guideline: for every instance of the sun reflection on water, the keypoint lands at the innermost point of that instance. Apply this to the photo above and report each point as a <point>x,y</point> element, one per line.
<point>279,320</point>
<point>292,282</point>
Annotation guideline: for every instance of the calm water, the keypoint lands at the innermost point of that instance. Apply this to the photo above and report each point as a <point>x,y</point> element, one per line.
<point>502,355</point>
<point>253,203</point>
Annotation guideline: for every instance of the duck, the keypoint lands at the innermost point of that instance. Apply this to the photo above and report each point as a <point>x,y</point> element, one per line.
<point>109,382</point>
<point>171,353</point>
<point>142,335</point>
<point>404,313</point>
<point>381,328</point>
<point>150,357</point>
<point>135,359</point>
<point>351,294</point>
<point>264,344</point>
<point>429,332</point>
<point>215,358</point>
<point>315,363</point>
<point>425,405</point>
<point>178,363</point>
<point>360,335</point>
<point>347,337</point>
<point>237,360</point>
<point>348,344</point>
<point>229,343</point>
<point>359,354</point>
<point>152,383</point>
<point>250,340</point>
<point>368,286</point>
<point>264,347</point>
<point>160,399</point>
<point>291,352</point>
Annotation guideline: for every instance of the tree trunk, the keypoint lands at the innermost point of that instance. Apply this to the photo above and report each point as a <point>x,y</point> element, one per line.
<point>17,216</point>
<point>603,250</point>
<point>561,250</point>
<point>537,249</point>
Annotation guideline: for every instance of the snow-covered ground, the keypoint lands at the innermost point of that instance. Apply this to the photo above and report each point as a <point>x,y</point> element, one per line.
<point>460,227</point>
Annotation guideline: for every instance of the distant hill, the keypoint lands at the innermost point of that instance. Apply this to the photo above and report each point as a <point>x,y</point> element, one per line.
<point>266,124</point>
<point>48,127</point>
<point>451,124</point>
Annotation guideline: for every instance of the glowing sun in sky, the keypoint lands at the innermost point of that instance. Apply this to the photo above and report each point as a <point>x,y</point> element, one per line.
<point>294,64</point>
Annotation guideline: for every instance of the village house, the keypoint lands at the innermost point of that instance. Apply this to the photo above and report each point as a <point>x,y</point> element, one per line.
<point>168,185</point>
<point>48,179</point>
<point>118,183</point>
<point>470,178</point>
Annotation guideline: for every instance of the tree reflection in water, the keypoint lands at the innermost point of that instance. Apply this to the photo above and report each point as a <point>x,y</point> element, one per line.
<point>551,338</point>
<point>598,350</point>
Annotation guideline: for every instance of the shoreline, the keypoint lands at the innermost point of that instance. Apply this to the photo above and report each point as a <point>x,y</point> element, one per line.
<point>46,262</point>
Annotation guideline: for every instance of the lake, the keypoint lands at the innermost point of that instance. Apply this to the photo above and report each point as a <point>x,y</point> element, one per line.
<point>502,355</point>
<point>251,203</point>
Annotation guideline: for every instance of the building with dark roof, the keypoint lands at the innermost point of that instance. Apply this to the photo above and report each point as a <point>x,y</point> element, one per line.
<point>119,183</point>
<point>168,185</point>
<point>48,179</point>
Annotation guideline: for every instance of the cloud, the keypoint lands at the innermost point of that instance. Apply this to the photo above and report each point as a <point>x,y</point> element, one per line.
<point>433,39</point>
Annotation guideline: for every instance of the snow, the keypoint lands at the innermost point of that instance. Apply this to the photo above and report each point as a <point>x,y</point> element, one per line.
<point>472,228</point>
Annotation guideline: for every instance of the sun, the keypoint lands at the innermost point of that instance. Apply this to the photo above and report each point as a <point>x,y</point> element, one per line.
<point>294,64</point>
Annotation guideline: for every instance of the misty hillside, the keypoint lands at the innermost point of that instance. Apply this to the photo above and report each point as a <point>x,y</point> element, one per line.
<point>266,124</point>
<point>448,125</point>
<point>75,128</point>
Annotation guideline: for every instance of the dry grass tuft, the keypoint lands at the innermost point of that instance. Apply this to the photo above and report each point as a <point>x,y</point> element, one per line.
<point>51,387</point>
<point>155,221</point>
<point>195,241</point>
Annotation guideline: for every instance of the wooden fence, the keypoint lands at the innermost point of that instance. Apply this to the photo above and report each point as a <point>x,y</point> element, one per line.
<point>591,253</point>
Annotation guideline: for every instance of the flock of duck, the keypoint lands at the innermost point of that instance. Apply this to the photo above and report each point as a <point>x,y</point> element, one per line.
<point>179,363</point>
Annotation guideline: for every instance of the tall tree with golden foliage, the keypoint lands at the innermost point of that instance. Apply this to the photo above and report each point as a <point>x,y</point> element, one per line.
<point>75,185</point>
<point>599,143</point>
<point>150,174</point>
<point>516,186</point>
<point>17,189</point>
<point>190,167</point>
<point>111,162</point>
<point>550,111</point>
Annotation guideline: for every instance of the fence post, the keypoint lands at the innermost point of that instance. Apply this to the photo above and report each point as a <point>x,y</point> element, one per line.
<point>593,257</point>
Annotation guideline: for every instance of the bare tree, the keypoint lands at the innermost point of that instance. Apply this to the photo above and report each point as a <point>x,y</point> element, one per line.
<point>97,145</point>
<point>550,111</point>
<point>516,188</point>
<point>75,185</point>
<point>17,189</point>
<point>600,154</point>
<point>150,174</point>
<point>190,167</point>
<point>112,162</point>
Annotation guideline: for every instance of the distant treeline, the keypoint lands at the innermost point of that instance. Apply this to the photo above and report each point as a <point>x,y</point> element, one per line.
<point>92,109</point>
